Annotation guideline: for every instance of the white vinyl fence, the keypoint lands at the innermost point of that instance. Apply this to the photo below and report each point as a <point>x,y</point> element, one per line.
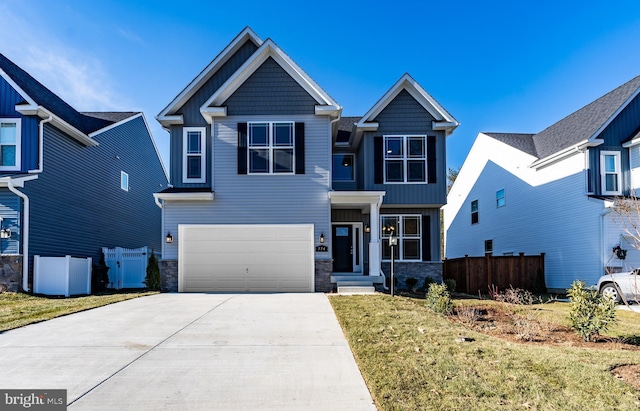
<point>127,266</point>
<point>61,275</point>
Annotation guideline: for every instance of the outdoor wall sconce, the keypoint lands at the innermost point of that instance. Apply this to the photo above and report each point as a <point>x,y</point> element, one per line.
<point>322,238</point>
<point>5,233</point>
<point>169,238</point>
<point>367,229</point>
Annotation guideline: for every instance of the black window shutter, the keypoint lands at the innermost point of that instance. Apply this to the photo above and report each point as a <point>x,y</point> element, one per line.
<point>426,238</point>
<point>378,160</point>
<point>299,148</point>
<point>431,159</point>
<point>242,148</point>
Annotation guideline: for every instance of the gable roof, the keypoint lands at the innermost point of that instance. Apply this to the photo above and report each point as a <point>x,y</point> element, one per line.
<point>523,142</point>
<point>268,49</point>
<point>444,120</point>
<point>40,101</point>
<point>167,115</point>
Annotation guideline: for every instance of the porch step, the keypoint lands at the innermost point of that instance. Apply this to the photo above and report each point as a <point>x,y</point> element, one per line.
<point>355,289</point>
<point>357,279</point>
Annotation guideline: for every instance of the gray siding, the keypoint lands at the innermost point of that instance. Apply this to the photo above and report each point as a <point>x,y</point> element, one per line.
<point>10,212</point>
<point>404,116</point>
<point>270,91</point>
<point>29,126</point>
<point>261,199</point>
<point>77,205</point>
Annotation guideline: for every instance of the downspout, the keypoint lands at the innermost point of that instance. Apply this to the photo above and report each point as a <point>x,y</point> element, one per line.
<point>41,145</point>
<point>25,235</point>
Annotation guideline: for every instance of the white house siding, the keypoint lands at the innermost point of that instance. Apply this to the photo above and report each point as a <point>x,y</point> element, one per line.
<point>634,165</point>
<point>261,199</point>
<point>546,211</point>
<point>618,231</point>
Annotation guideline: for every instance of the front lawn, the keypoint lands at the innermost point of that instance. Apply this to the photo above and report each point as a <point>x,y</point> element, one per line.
<point>414,359</point>
<point>17,309</point>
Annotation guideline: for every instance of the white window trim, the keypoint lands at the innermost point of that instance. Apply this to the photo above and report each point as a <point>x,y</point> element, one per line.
<point>203,155</point>
<point>353,166</point>
<point>398,230</point>
<point>18,123</point>
<point>405,158</point>
<point>124,178</point>
<point>603,174</point>
<point>271,147</point>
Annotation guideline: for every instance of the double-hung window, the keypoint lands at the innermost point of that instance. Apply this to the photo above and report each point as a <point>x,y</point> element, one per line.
<point>500,200</point>
<point>10,144</point>
<point>610,172</point>
<point>194,159</point>
<point>271,147</point>
<point>405,159</point>
<point>408,230</point>
<point>475,214</point>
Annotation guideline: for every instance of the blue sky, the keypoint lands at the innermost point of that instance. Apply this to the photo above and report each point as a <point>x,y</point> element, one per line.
<point>502,66</point>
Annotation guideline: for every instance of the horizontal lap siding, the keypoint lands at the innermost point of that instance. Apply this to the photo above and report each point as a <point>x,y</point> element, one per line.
<point>10,212</point>
<point>77,205</point>
<point>261,199</point>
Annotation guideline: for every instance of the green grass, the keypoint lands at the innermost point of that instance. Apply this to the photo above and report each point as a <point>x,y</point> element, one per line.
<point>17,309</point>
<point>410,360</point>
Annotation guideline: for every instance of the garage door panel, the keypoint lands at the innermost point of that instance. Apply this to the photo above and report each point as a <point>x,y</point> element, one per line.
<point>238,258</point>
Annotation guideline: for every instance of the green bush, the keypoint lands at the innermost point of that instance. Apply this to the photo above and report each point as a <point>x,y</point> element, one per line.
<point>451,284</point>
<point>439,299</point>
<point>427,282</point>
<point>590,313</point>
<point>411,283</point>
<point>152,280</point>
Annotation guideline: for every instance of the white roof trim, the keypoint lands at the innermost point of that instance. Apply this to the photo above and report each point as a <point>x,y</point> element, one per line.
<point>606,123</point>
<point>358,198</point>
<point>58,122</point>
<point>17,88</point>
<point>184,196</point>
<point>266,50</point>
<point>567,152</point>
<point>114,125</point>
<point>166,115</point>
<point>210,112</point>
<point>406,82</point>
<point>17,181</point>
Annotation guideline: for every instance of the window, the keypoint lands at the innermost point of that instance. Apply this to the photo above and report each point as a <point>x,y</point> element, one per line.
<point>194,159</point>
<point>500,202</point>
<point>343,169</point>
<point>610,172</point>
<point>10,144</point>
<point>405,159</point>
<point>474,212</point>
<point>271,148</point>
<point>488,246</point>
<point>124,181</point>
<point>408,230</point>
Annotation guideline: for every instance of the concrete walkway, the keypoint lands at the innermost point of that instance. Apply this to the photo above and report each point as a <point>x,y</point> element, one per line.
<point>191,352</point>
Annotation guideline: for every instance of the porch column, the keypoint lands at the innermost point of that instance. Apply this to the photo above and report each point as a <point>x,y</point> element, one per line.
<point>374,240</point>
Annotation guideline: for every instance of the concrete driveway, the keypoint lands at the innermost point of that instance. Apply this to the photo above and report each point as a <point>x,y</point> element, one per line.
<point>191,352</point>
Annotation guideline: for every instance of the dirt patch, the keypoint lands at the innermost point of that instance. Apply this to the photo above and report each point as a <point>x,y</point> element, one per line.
<point>628,373</point>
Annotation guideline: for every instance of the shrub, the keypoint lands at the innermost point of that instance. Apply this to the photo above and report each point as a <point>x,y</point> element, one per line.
<point>411,283</point>
<point>438,299</point>
<point>152,280</point>
<point>427,282</point>
<point>540,287</point>
<point>590,314</point>
<point>451,284</point>
<point>512,296</point>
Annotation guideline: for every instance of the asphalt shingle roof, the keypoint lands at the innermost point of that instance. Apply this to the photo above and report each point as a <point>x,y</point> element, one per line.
<point>523,142</point>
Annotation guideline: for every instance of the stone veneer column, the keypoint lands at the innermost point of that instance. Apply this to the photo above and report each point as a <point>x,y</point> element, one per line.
<point>169,275</point>
<point>323,270</point>
<point>10,272</point>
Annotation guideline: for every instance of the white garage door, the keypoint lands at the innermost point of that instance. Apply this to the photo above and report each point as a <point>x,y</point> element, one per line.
<point>246,258</point>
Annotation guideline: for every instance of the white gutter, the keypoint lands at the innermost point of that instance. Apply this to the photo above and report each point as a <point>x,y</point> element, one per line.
<point>41,145</point>
<point>25,235</point>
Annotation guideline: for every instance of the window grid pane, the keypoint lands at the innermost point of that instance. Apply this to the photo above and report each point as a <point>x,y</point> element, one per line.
<point>8,133</point>
<point>283,134</point>
<point>194,142</point>
<point>415,171</point>
<point>283,161</point>
<point>394,147</point>
<point>259,160</point>
<point>258,134</point>
<point>394,171</point>
<point>416,147</point>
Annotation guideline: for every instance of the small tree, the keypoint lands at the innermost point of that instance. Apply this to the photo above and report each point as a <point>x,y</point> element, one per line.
<point>438,299</point>
<point>590,313</point>
<point>152,280</point>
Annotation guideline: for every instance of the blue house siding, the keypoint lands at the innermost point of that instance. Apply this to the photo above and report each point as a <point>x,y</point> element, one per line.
<point>9,97</point>
<point>10,212</point>
<point>77,205</point>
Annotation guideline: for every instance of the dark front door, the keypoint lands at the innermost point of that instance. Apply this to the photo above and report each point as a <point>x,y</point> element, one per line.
<point>343,248</point>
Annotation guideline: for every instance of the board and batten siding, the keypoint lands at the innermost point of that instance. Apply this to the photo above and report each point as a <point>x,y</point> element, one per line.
<point>553,217</point>
<point>405,116</point>
<point>77,205</point>
<point>261,199</point>
<point>10,212</point>
<point>9,97</point>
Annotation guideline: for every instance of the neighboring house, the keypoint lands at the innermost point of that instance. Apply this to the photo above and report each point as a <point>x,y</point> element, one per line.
<point>552,192</point>
<point>272,190</point>
<point>70,182</point>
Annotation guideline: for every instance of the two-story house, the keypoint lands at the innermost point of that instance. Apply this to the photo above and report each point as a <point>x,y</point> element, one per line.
<point>273,190</point>
<point>70,182</point>
<point>552,192</point>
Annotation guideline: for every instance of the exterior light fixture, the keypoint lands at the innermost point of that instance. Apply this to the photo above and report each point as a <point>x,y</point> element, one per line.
<point>367,229</point>
<point>322,238</point>
<point>5,233</point>
<point>169,238</point>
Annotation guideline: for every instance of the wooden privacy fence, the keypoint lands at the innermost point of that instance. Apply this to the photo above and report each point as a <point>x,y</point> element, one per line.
<point>476,274</point>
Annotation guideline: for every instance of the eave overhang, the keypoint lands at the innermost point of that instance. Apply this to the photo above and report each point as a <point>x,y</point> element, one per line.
<point>356,199</point>
<point>567,152</point>
<point>196,196</point>
<point>17,181</point>
<point>43,113</point>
